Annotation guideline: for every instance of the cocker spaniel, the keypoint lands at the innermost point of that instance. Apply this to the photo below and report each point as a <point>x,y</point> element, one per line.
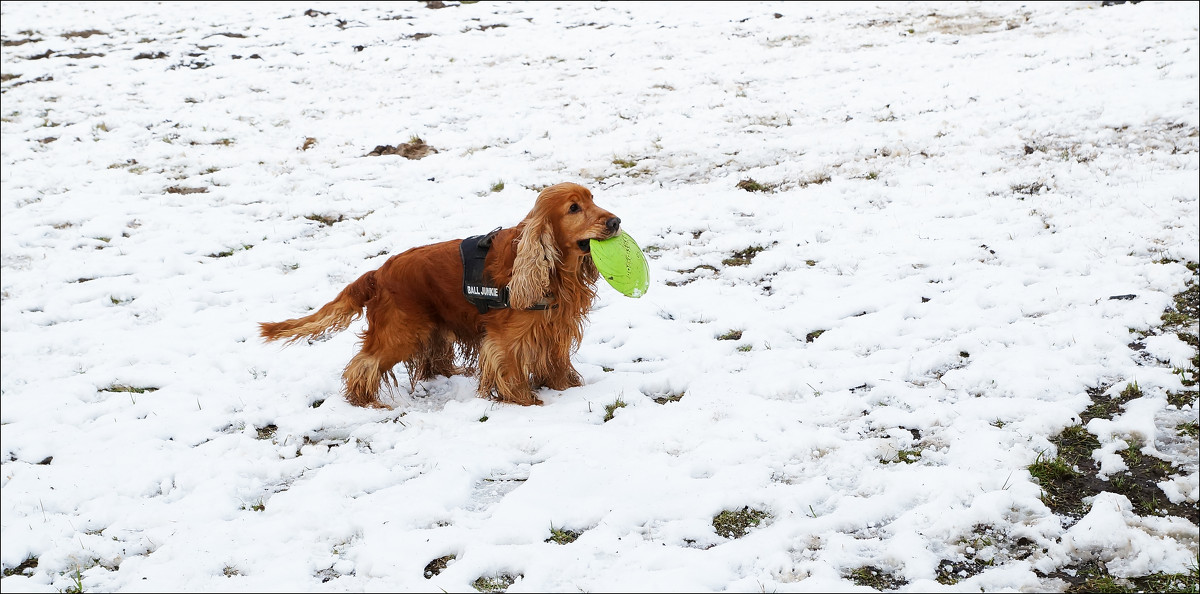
<point>515,319</point>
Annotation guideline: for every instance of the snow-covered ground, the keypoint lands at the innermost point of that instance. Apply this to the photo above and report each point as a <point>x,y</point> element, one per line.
<point>953,192</point>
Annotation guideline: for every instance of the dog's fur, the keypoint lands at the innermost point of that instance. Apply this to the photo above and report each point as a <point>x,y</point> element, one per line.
<point>417,314</point>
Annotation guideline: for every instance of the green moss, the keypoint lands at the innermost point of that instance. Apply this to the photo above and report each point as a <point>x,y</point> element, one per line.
<point>736,524</point>
<point>731,335</point>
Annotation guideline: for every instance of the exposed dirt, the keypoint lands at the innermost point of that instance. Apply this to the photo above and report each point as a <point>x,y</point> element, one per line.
<point>416,149</point>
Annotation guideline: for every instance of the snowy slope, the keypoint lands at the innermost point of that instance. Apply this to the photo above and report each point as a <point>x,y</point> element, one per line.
<point>952,194</point>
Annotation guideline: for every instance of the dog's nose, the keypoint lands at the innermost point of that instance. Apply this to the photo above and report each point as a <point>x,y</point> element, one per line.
<point>613,225</point>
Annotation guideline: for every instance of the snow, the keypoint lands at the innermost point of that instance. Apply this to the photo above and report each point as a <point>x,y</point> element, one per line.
<point>958,190</point>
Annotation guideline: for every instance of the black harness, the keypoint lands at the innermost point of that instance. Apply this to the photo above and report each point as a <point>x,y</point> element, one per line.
<point>478,287</point>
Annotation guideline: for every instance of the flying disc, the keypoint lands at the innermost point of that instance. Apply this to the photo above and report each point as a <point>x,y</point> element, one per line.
<point>622,263</point>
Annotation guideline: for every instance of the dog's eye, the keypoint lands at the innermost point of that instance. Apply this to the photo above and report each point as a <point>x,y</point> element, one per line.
<point>574,208</point>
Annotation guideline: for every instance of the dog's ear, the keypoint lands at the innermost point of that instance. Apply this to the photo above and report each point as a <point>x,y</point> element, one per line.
<point>535,261</point>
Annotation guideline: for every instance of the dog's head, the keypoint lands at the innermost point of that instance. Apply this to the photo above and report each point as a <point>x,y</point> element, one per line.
<point>557,234</point>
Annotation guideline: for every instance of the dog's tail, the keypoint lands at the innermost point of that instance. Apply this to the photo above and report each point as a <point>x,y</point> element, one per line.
<point>333,317</point>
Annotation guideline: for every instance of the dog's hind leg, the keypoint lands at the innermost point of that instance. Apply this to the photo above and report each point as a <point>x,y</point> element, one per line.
<point>390,338</point>
<point>435,358</point>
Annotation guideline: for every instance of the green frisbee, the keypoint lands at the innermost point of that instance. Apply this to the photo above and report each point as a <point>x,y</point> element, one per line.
<point>622,263</point>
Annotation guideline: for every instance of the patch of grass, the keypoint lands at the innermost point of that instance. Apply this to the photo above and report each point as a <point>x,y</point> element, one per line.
<point>1075,443</point>
<point>183,190</point>
<point>223,254</point>
<point>1140,482</point>
<point>498,186</point>
<point>750,185</point>
<point>76,586</point>
<point>562,537</point>
<point>494,583</point>
<point>1106,408</point>
<point>816,179</point>
<point>669,398</point>
<point>267,432</point>
<point>437,565</point>
<point>610,409</point>
<point>905,456</point>
<point>737,523</point>
<point>1131,392</point>
<point>950,572</point>
<point>1182,321</point>
<point>811,336</point>
<point>28,565</point>
<point>624,163</point>
<point>326,220</point>
<point>731,335</point>
<point>1029,189</point>
<point>230,571</point>
<point>1072,475</point>
<point>483,419</point>
<point>1092,576</point>
<point>259,506</point>
<point>1054,475</point>
<point>743,257</point>
<point>84,34</point>
<point>745,348</point>
<point>876,578</point>
<point>127,388</point>
<point>1133,452</point>
<point>1190,429</point>
<point>1170,582</point>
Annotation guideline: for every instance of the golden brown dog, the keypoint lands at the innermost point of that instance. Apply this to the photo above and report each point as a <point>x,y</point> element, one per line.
<point>418,315</point>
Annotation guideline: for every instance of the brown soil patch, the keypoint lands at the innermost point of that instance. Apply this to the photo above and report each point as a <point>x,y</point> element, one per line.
<point>417,149</point>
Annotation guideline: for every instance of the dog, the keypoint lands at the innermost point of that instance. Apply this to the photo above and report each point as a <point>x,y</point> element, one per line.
<point>516,336</point>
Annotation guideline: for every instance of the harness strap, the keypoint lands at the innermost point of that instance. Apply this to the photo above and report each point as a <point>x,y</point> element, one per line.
<point>478,287</point>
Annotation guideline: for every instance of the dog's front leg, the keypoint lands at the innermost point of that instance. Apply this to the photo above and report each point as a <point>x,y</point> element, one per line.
<point>555,371</point>
<point>504,374</point>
